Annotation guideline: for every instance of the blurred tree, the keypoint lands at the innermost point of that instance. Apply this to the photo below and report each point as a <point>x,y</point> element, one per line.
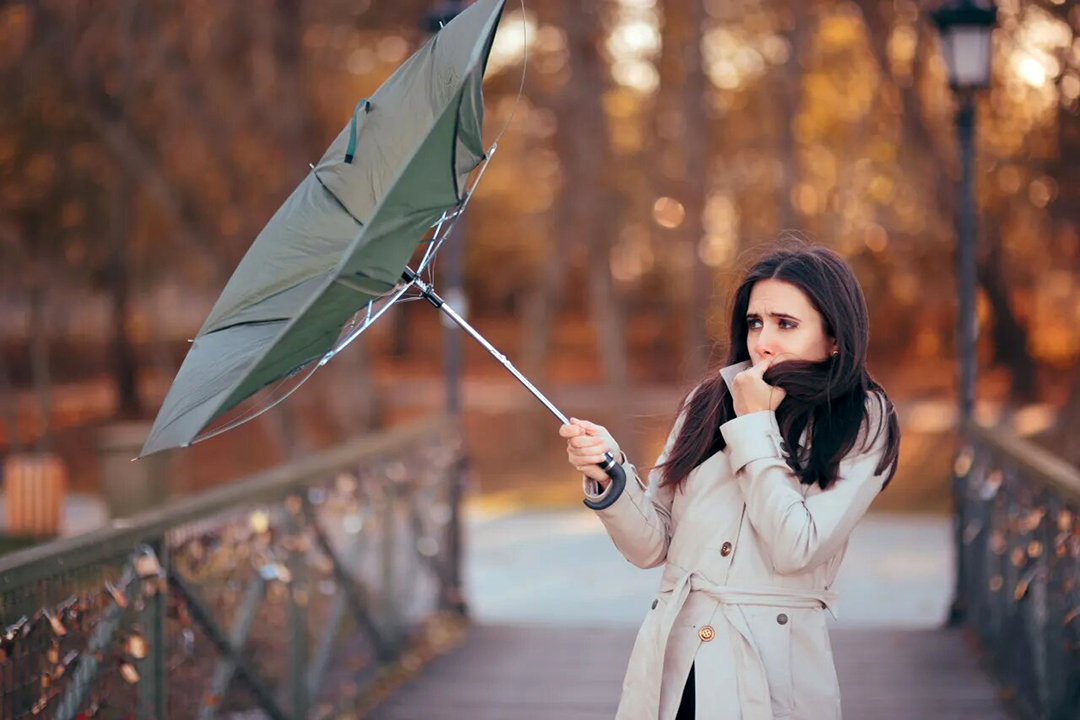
<point>682,163</point>
<point>799,21</point>
<point>587,198</point>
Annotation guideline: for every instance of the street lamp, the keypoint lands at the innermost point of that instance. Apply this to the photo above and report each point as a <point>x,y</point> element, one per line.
<point>965,29</point>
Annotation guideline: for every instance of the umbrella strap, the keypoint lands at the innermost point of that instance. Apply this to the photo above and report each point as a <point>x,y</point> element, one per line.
<point>351,150</point>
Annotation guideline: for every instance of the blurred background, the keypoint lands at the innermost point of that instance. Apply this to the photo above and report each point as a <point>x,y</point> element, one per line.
<point>656,148</point>
<point>144,145</point>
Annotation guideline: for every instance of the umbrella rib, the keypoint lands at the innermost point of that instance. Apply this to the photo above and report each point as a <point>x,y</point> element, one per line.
<point>336,198</point>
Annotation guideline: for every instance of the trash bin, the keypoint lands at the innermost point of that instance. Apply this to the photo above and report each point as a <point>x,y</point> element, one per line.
<point>131,487</point>
<point>34,484</point>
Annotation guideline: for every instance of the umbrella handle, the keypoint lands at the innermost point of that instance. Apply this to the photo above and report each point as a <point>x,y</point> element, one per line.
<point>615,472</point>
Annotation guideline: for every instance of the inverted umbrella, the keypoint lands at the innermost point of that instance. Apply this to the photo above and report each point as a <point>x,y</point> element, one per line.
<point>335,256</point>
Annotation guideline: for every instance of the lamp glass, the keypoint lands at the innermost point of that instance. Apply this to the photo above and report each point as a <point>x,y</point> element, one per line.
<point>967,51</point>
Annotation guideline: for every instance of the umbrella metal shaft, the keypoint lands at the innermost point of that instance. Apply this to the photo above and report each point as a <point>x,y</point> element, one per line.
<point>608,465</point>
<point>432,297</point>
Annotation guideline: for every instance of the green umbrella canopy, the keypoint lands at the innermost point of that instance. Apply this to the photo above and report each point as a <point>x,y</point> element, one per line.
<point>343,237</point>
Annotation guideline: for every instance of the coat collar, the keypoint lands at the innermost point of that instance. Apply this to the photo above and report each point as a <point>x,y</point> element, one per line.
<point>729,372</point>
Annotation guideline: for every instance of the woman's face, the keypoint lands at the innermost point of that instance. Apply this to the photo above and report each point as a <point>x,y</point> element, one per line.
<point>781,321</point>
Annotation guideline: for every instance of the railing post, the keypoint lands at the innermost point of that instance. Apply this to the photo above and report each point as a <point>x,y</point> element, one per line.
<point>388,612</point>
<point>297,604</point>
<point>153,690</point>
<point>962,464</point>
<point>453,596</point>
<point>1057,661</point>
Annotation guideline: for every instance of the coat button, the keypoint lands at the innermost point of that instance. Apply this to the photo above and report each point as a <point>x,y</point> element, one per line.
<point>706,633</point>
<point>725,549</point>
<point>782,619</point>
<point>654,604</point>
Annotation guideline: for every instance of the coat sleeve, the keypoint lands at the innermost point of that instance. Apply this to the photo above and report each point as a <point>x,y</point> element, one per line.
<point>639,518</point>
<point>803,532</point>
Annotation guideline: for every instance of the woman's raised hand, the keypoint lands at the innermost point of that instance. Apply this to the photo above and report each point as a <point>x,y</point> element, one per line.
<point>750,393</point>
<point>586,444</point>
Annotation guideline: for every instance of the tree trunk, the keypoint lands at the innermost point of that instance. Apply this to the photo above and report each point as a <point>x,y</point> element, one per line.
<point>695,189</point>
<point>40,363</point>
<point>790,94</point>
<point>1009,336</point>
<point>9,401</point>
<point>125,372</point>
<point>583,123</point>
<point>544,300</point>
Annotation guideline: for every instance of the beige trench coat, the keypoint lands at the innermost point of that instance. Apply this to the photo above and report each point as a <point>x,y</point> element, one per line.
<point>749,555</point>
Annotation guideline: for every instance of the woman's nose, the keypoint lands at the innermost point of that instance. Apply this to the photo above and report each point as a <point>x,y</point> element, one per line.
<point>764,345</point>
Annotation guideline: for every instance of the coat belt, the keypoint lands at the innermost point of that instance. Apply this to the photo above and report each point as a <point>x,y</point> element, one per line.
<point>752,681</point>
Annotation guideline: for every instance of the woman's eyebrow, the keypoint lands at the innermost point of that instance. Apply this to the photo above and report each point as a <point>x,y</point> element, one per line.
<point>772,314</point>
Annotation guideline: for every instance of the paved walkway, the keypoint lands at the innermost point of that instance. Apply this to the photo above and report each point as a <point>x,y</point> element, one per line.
<point>560,568</point>
<point>557,608</point>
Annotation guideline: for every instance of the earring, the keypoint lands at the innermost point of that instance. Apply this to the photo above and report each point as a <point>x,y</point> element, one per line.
<point>835,353</point>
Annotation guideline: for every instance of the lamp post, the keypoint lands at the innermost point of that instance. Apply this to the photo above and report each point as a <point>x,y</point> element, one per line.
<point>452,254</point>
<point>965,29</point>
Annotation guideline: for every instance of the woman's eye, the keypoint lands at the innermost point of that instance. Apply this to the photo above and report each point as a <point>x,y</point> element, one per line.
<point>784,324</point>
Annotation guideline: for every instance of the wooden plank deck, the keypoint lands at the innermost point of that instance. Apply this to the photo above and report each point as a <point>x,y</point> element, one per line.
<point>506,672</point>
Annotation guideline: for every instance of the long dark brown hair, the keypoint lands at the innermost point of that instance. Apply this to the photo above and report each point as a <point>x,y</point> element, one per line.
<point>831,396</point>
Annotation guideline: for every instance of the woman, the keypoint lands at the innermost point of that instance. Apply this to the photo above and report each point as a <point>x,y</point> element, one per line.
<point>750,532</point>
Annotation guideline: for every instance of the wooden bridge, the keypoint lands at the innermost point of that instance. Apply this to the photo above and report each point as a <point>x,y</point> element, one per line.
<point>546,673</point>
<point>559,649</point>
<point>295,594</point>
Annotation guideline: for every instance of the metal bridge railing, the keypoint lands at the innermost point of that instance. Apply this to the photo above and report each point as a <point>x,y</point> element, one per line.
<point>290,592</point>
<point>1019,569</point>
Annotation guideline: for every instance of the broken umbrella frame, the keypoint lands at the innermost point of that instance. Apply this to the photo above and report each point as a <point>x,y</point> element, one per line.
<point>413,286</point>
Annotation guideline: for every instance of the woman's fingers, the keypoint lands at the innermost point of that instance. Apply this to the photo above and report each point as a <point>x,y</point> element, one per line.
<point>581,464</point>
<point>587,444</point>
<point>585,466</point>
<point>591,454</point>
<point>569,431</point>
<point>589,427</point>
<point>586,441</point>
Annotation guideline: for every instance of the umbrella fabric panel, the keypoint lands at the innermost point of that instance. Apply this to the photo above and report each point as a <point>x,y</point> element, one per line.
<point>404,107</point>
<point>309,232</point>
<point>423,191</point>
<point>215,363</point>
<point>308,337</point>
<point>469,151</point>
<point>289,260</point>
